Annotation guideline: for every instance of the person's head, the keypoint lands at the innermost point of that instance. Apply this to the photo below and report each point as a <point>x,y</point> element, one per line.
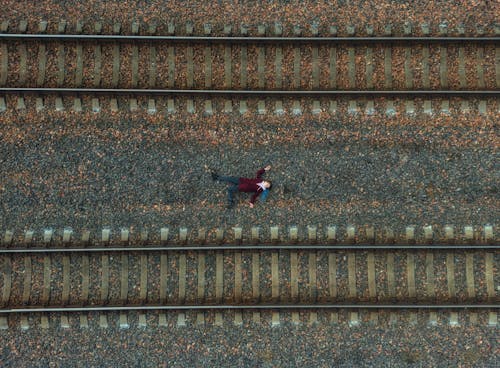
<point>267,184</point>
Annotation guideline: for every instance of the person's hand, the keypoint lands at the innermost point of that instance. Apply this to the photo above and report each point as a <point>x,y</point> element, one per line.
<point>267,168</point>
<point>250,204</point>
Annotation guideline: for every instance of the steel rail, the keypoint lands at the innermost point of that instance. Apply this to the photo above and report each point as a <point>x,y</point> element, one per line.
<point>246,307</point>
<point>140,91</point>
<point>201,248</point>
<point>239,39</point>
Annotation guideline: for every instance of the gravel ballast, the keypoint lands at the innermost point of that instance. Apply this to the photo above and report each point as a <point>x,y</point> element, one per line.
<point>90,171</point>
<point>253,346</point>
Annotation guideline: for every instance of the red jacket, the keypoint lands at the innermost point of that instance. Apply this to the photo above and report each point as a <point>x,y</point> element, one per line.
<point>250,185</point>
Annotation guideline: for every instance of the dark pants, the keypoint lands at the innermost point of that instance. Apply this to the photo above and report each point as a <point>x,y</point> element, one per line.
<point>233,188</point>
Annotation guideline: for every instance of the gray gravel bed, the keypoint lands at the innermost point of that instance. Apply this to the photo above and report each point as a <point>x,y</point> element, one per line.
<point>63,178</point>
<point>229,276</point>
<point>37,273</point>
<point>265,278</point>
<point>154,264</point>
<point>480,277</point>
<point>421,280</point>
<point>75,278</point>
<point>303,275</point>
<point>381,283</point>
<point>95,273</point>
<point>56,280</point>
<point>285,281</point>
<point>440,277</point>
<point>496,276</point>
<point>322,276</point>
<point>134,278</point>
<point>246,279</point>
<point>460,280</point>
<point>210,276</point>
<point>250,345</point>
<point>342,282</point>
<point>115,276</point>
<point>191,277</point>
<point>362,276</point>
<point>400,275</point>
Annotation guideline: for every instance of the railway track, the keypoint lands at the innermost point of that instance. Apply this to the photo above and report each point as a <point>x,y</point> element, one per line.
<point>277,278</point>
<point>175,71</point>
<point>264,63</point>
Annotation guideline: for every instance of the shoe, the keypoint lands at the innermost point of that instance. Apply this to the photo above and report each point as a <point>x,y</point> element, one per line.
<point>230,206</point>
<point>214,176</point>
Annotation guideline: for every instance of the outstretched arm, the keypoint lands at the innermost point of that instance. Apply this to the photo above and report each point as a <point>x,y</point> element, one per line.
<point>262,171</point>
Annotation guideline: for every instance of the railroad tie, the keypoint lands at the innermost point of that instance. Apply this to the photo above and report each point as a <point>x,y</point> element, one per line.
<point>243,60</point>
<point>425,59</point>
<point>25,324</point>
<point>208,64</point>
<point>46,279</point>
<point>84,321</point>
<point>171,71</point>
<point>97,66</point>
<point>351,270</point>
<point>44,322</point>
<point>408,64</point>
<point>469,275</point>
<point>182,278</point>
<point>7,280</point>
<point>480,67</point>
<point>278,63</point>
<point>351,68</point>
<point>219,277</point>
<point>489,276</point>
<point>162,320</point>
<point>4,63</point>
<point>450,275</point>
<point>332,276</point>
<point>79,65</point>
<point>4,323</point>
<point>313,282</point>
<point>85,274</point>
<point>410,269</point>
<point>143,294</point>
<point>391,288</point>
<point>27,281</point>
<point>64,321</point>
<point>430,279</point>
<point>443,62</point>
<point>333,65</point>
<point>228,77</point>
<point>61,62</point>
<point>189,59</point>
<point>200,296</point>
<point>255,276</point>
<point>152,67</point>
<point>105,278</point>
<point>23,57</point>
<point>219,320</point>
<point>294,283</point>
<point>135,58</point>
<point>296,61</point>
<point>275,286</point>
<point>372,287</point>
<point>237,277</point>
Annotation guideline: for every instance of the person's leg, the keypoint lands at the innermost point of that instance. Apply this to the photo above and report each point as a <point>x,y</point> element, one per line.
<point>229,179</point>
<point>231,190</point>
